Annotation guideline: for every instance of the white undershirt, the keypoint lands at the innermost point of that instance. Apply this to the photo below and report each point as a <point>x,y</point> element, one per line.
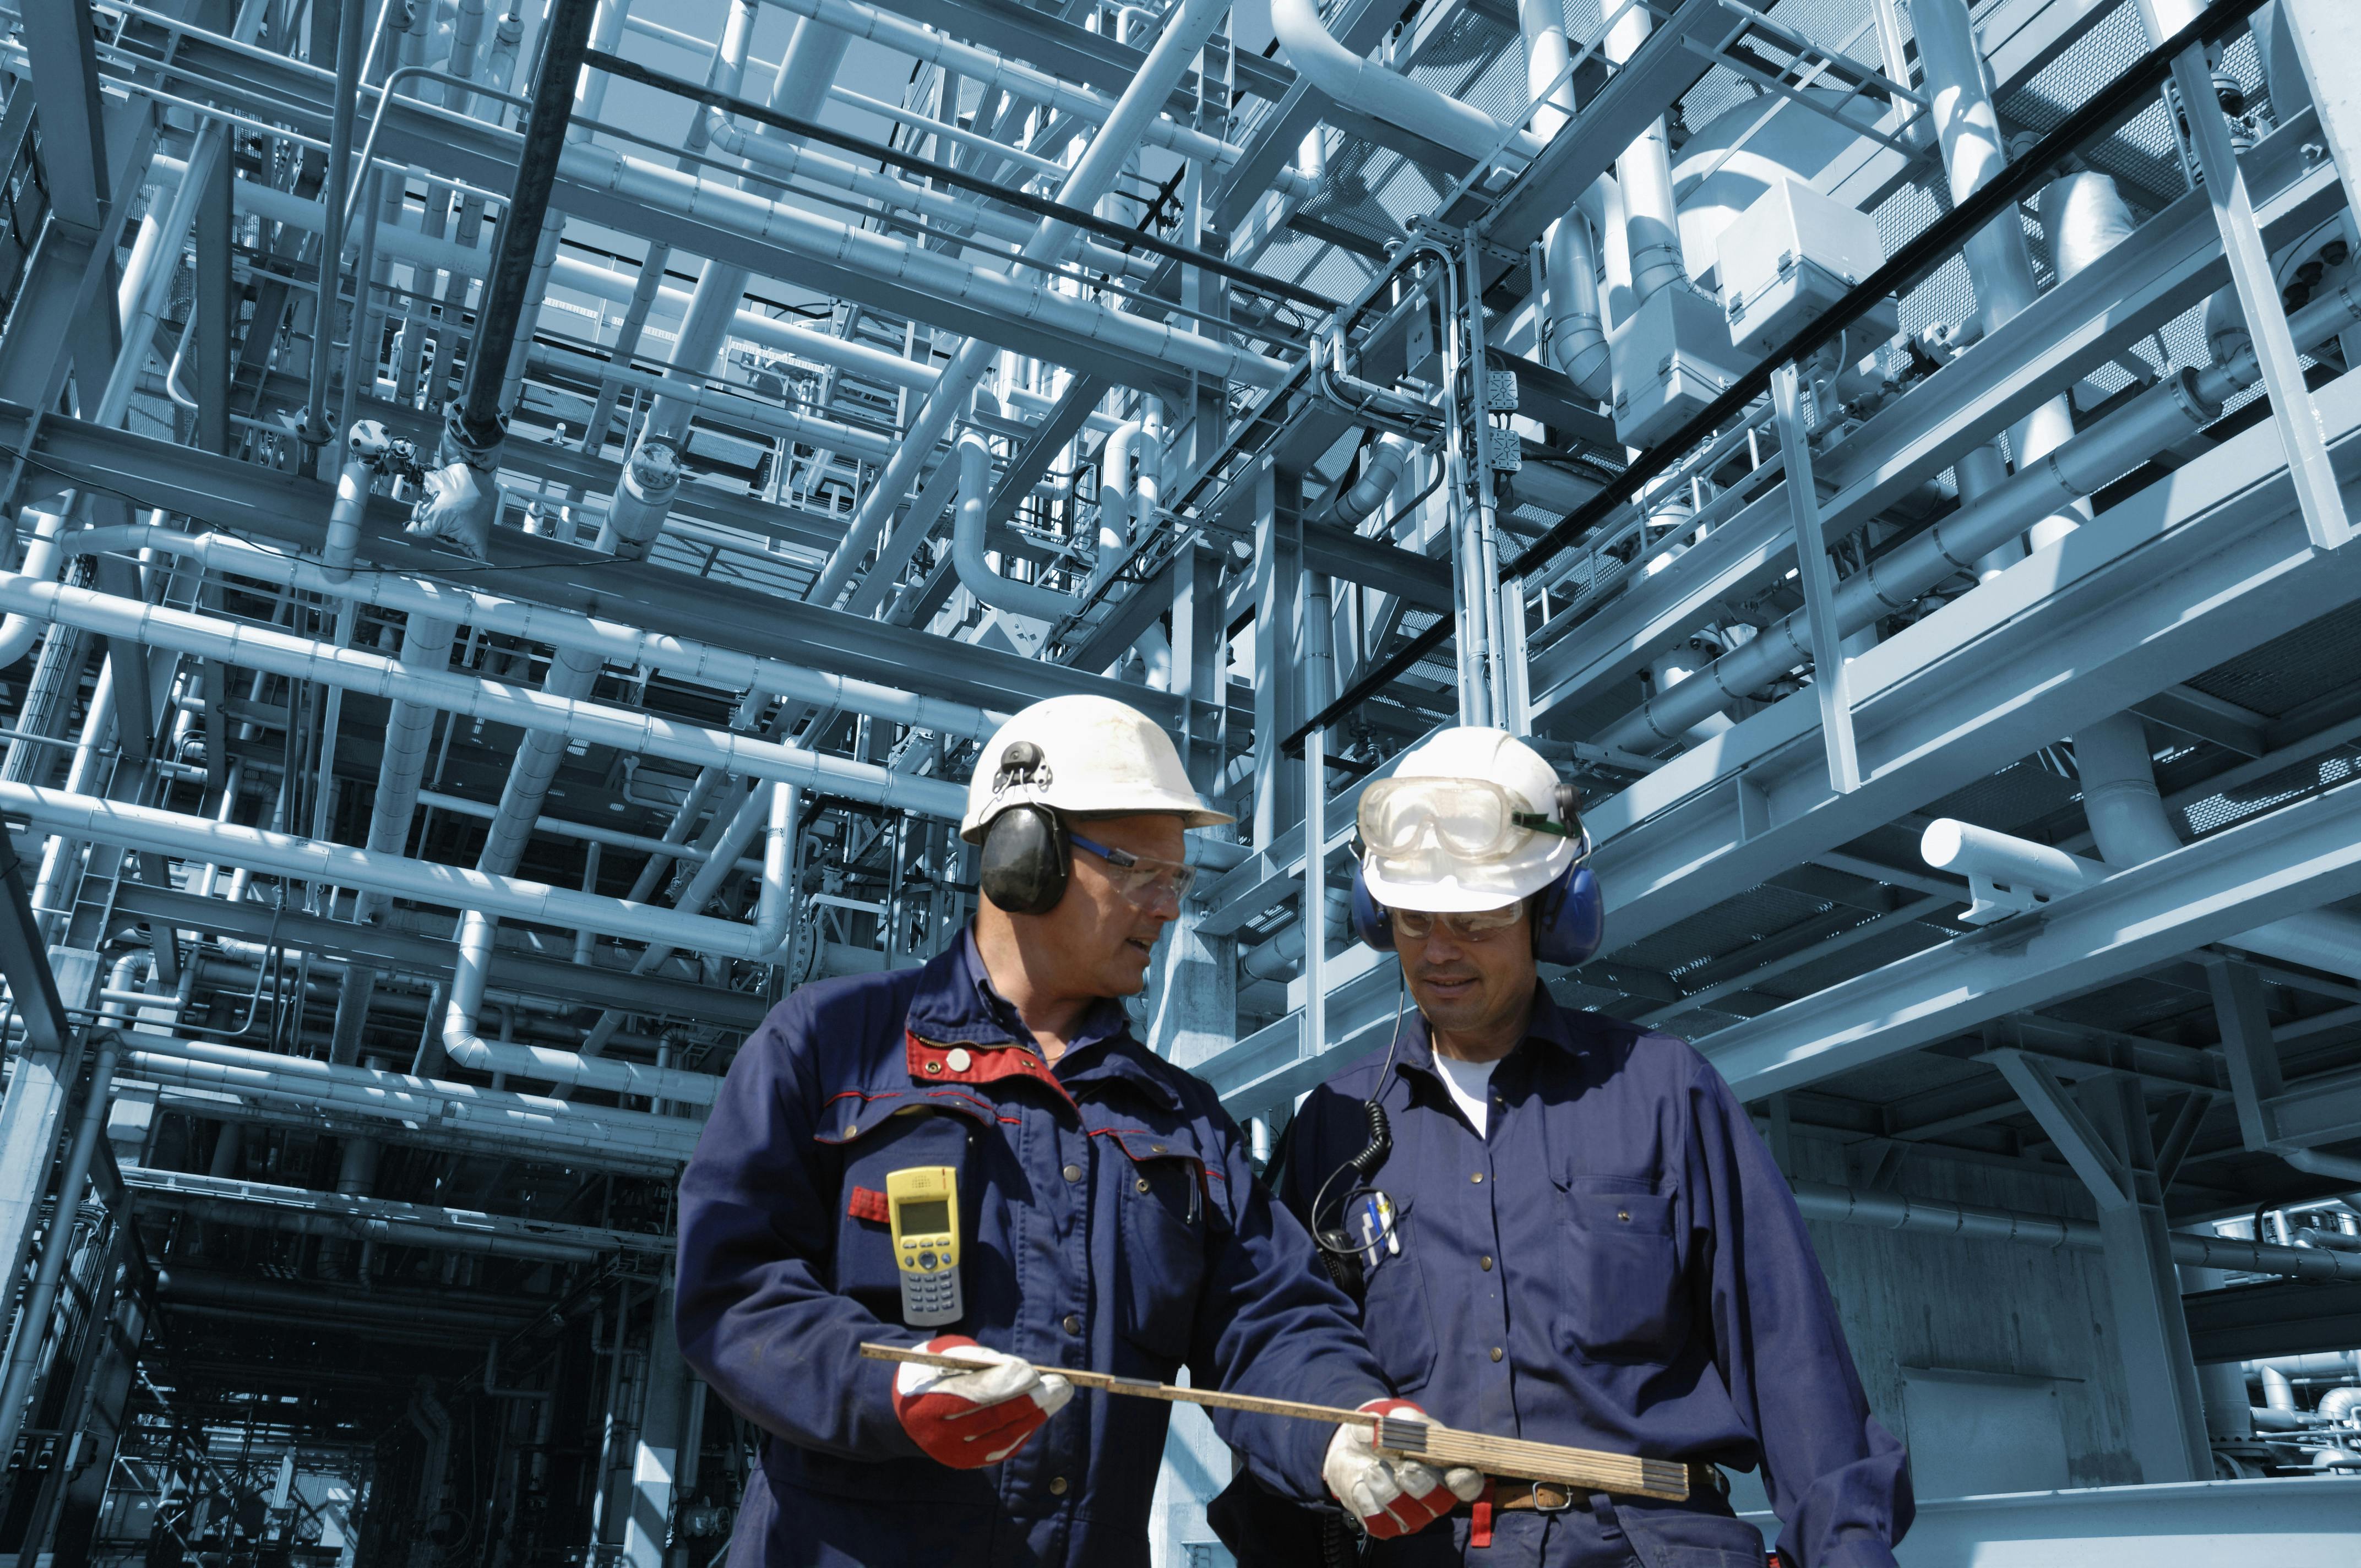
<point>1470,1083</point>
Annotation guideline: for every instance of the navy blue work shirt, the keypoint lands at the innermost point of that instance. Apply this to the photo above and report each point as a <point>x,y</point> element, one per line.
<point>1109,1219</point>
<point>1614,1264</point>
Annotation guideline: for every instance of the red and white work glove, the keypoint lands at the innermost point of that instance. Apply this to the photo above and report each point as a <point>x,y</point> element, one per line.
<point>1392,1495</point>
<point>969,1419</point>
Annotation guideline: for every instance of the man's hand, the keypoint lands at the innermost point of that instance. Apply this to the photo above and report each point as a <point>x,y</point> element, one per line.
<point>1392,1496</point>
<point>968,1419</point>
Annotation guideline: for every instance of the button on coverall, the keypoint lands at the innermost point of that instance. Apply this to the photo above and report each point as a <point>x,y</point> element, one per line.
<point>1614,1264</point>
<point>1109,1219</point>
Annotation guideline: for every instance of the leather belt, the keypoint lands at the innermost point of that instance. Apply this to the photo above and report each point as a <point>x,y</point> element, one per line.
<point>1508,1492</point>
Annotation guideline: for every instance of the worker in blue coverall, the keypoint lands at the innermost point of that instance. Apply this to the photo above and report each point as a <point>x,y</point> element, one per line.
<point>1106,1216</point>
<point>1576,1236</point>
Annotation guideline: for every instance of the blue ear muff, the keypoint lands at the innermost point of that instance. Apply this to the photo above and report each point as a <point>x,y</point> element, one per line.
<point>1570,918</point>
<point>1372,922</point>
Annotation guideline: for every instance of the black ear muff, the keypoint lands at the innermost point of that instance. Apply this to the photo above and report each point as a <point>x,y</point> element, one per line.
<point>1027,857</point>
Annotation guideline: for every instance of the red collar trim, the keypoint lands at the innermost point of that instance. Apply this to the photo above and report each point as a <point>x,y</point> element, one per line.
<point>934,1061</point>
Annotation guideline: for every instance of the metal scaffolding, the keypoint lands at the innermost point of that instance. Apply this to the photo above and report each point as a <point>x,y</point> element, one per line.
<point>522,516</point>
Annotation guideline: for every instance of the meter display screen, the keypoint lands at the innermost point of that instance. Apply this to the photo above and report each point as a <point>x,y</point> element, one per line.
<point>927,1219</point>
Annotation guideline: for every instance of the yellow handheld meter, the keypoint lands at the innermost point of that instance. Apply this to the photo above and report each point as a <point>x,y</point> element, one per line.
<point>923,1205</point>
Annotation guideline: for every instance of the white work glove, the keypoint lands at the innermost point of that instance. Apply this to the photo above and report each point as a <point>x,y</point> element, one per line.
<point>968,1419</point>
<point>1394,1496</point>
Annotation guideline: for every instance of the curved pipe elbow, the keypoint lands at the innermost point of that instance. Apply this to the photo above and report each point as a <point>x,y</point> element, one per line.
<point>1115,481</point>
<point>1577,333</point>
<point>1376,485</point>
<point>1387,95</point>
<point>975,573</point>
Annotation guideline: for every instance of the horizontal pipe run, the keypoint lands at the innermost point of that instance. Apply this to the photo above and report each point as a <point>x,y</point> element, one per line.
<point>501,702</point>
<point>330,1120</point>
<point>397,1233</point>
<point>1017,296</point>
<point>175,1187</point>
<point>535,1110</point>
<point>772,419</point>
<point>788,160</point>
<point>767,332</point>
<point>397,243</point>
<point>619,643</point>
<point>993,69</point>
<point>90,819</point>
<point>1892,1212</point>
<point>611,1074</point>
<point>556,1129</point>
<point>559,827</point>
<point>288,1301</point>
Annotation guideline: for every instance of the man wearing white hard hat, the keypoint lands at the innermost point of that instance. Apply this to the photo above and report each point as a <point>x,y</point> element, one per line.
<point>1571,1230</point>
<point>978,1159</point>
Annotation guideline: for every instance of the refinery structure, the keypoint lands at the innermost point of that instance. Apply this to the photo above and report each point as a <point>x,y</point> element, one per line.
<point>523,511</point>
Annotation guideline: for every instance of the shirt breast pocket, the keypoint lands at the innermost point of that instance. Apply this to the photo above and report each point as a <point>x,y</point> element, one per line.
<point>1396,1317</point>
<point>1165,1227</point>
<point>1623,1297</point>
<point>881,1138</point>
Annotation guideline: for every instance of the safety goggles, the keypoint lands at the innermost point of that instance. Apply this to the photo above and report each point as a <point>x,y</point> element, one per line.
<point>1472,926</point>
<point>1144,879</point>
<point>1467,819</point>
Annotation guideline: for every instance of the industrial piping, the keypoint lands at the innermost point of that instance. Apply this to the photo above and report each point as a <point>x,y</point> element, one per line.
<point>572,719</point>
<point>89,818</point>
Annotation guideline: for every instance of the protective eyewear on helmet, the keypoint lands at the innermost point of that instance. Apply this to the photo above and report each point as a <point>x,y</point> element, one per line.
<point>1472,926</point>
<point>1143,879</point>
<point>1468,819</point>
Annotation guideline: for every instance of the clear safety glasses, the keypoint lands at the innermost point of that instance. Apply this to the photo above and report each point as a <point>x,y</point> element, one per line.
<point>1144,879</point>
<point>1475,926</point>
<point>1468,819</point>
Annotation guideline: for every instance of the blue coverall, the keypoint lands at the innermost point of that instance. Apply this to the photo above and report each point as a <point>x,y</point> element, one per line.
<point>1614,1264</point>
<point>1109,1219</point>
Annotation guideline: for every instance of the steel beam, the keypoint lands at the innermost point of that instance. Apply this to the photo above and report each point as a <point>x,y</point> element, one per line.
<point>400,953</point>
<point>166,1188</point>
<point>2172,261</point>
<point>249,499</point>
<point>2261,871</point>
<point>2194,570</point>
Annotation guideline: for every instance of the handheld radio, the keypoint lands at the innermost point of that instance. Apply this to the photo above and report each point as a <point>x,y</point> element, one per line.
<point>922,1203</point>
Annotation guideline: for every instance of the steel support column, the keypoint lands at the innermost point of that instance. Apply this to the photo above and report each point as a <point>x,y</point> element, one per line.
<point>2102,1130</point>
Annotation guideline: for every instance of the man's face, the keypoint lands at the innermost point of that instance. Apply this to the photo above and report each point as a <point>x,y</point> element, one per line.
<point>1469,985</point>
<point>1101,939</point>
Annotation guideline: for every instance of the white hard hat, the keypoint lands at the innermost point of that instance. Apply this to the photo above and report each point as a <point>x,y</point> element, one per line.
<point>1098,757</point>
<point>1480,776</point>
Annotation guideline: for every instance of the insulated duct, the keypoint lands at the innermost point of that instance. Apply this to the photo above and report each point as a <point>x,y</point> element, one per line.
<point>1368,87</point>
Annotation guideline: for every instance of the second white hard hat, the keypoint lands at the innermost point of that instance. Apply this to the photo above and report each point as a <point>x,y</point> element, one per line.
<point>1453,847</point>
<point>1096,757</point>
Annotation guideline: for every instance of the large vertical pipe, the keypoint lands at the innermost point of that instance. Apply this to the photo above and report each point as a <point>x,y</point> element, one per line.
<point>477,423</point>
<point>1644,175</point>
<point>332,240</point>
<point>1968,128</point>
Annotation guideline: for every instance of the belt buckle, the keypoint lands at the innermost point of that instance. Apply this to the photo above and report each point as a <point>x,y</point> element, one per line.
<point>1565,1494</point>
